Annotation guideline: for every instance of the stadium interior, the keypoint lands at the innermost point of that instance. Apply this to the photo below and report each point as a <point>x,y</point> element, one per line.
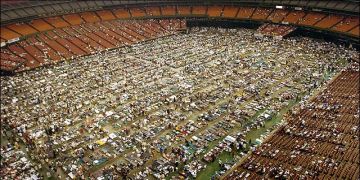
<point>180,89</point>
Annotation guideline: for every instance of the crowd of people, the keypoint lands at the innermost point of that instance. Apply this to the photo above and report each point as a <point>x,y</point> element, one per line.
<point>165,107</point>
<point>319,141</point>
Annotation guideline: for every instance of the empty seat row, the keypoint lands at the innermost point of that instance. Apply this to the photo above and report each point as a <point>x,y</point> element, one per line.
<point>83,39</point>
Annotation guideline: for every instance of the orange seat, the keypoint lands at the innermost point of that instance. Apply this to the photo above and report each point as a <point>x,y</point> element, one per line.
<point>214,11</point>
<point>40,25</point>
<point>122,13</point>
<point>261,13</point>
<point>245,12</point>
<point>105,15</point>
<point>22,28</point>
<point>152,11</point>
<point>8,34</point>
<point>347,24</point>
<point>230,11</point>
<point>70,46</point>
<point>89,16</point>
<point>311,18</point>
<point>329,21</point>
<point>355,31</point>
<point>137,12</point>
<point>57,22</point>
<point>33,51</point>
<point>73,19</point>
<point>184,10</point>
<point>199,10</point>
<point>168,11</point>
<point>277,15</point>
<point>294,16</point>
<point>30,61</point>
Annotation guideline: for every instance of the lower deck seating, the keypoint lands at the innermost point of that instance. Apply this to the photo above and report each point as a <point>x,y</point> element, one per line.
<point>89,16</point>
<point>329,21</point>
<point>22,28</point>
<point>10,61</point>
<point>168,11</point>
<point>79,40</point>
<point>53,44</point>
<point>215,11</point>
<point>275,29</point>
<point>8,34</point>
<point>122,13</point>
<point>49,54</point>
<point>40,25</point>
<point>230,11</point>
<point>29,47</point>
<point>347,24</point>
<point>199,10</point>
<point>261,13</point>
<point>245,12</point>
<point>153,11</point>
<point>311,18</point>
<point>30,61</point>
<point>105,15</point>
<point>294,16</point>
<point>137,12</point>
<point>277,15</point>
<point>57,22</point>
<point>355,31</point>
<point>73,19</point>
<point>184,10</point>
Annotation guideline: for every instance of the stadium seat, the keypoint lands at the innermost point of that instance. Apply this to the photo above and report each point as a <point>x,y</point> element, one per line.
<point>261,13</point>
<point>56,22</point>
<point>153,11</point>
<point>230,11</point>
<point>122,13</point>
<point>8,34</point>
<point>245,12</point>
<point>89,17</point>
<point>215,11</point>
<point>184,10</point>
<point>329,21</point>
<point>278,15</point>
<point>294,16</point>
<point>40,25</point>
<point>21,28</point>
<point>137,12</point>
<point>105,15</point>
<point>347,24</point>
<point>199,10</point>
<point>73,19</point>
<point>168,10</point>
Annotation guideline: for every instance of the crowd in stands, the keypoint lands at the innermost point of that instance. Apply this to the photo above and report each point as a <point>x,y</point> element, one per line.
<point>161,107</point>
